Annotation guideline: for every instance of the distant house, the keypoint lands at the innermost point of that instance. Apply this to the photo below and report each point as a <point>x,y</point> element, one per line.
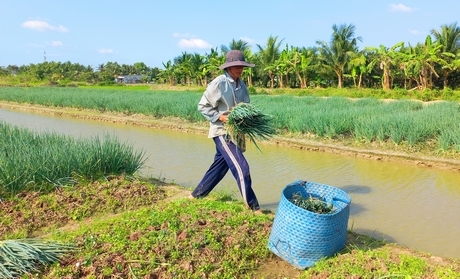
<point>129,79</point>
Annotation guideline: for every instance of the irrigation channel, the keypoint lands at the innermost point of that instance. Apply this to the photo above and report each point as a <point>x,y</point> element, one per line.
<point>411,205</point>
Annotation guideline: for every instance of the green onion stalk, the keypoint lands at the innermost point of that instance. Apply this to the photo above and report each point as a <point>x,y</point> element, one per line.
<point>313,204</point>
<point>245,119</point>
<point>23,256</point>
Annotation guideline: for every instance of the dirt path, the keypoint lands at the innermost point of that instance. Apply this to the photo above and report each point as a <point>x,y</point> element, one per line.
<point>370,152</point>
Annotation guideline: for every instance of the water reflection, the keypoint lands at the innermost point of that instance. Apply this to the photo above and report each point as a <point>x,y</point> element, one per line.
<point>414,206</point>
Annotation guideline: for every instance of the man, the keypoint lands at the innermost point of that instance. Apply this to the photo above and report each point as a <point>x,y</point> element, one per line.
<point>221,95</point>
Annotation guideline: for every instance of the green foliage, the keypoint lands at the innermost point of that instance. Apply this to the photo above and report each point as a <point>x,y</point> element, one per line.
<point>252,90</point>
<point>23,215</point>
<point>39,161</point>
<point>216,237</point>
<point>180,239</point>
<point>402,122</point>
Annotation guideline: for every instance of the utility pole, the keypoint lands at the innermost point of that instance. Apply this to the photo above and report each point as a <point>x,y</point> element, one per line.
<point>44,56</point>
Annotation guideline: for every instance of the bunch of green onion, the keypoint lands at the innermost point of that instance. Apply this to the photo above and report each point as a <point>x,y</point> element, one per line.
<point>313,204</point>
<point>22,256</point>
<point>246,119</point>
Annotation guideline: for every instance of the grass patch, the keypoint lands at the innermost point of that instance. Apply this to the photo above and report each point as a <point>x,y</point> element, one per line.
<point>144,229</point>
<point>41,161</point>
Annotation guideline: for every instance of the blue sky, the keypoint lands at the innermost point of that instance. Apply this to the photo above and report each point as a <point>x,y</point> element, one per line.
<point>150,31</point>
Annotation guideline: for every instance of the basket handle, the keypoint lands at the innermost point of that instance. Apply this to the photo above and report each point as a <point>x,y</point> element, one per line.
<point>340,200</point>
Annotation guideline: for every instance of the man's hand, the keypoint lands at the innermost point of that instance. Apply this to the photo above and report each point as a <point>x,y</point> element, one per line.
<point>223,117</point>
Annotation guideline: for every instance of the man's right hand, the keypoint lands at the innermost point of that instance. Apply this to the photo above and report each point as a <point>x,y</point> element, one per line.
<point>223,118</point>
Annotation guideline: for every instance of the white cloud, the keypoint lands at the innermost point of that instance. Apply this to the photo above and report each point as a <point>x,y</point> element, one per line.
<point>416,32</point>
<point>400,8</point>
<point>40,25</point>
<point>194,43</point>
<point>190,41</point>
<point>57,44</point>
<point>106,51</point>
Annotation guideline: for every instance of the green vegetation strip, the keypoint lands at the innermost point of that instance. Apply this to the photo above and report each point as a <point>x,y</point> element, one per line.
<point>41,161</point>
<point>405,123</point>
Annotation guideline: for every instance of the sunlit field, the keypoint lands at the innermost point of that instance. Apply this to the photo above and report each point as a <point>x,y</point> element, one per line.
<point>402,122</point>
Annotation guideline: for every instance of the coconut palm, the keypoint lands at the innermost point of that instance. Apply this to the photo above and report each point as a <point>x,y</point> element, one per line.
<point>335,55</point>
<point>198,69</point>
<point>268,56</point>
<point>449,38</point>
<point>183,67</point>
<point>301,62</point>
<point>358,67</point>
<point>214,60</point>
<point>238,45</point>
<point>167,74</point>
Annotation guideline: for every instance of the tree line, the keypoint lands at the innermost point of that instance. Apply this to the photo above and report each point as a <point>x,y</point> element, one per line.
<point>432,64</point>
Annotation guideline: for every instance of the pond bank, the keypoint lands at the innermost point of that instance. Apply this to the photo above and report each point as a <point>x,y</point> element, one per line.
<point>370,151</point>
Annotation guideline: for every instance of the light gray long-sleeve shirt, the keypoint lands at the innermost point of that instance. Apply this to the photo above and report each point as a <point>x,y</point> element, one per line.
<point>220,97</point>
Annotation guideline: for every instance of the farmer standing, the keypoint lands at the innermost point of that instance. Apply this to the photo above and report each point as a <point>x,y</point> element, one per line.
<point>222,94</point>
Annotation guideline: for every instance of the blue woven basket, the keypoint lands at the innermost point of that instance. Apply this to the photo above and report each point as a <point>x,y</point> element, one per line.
<point>302,237</point>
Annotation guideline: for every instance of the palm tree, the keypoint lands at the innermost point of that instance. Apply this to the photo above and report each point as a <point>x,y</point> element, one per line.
<point>214,60</point>
<point>101,67</point>
<point>449,38</point>
<point>336,55</point>
<point>248,72</point>
<point>358,67</point>
<point>268,56</point>
<point>198,68</point>
<point>238,45</point>
<point>385,58</point>
<point>168,73</point>
<point>301,62</point>
<point>183,67</point>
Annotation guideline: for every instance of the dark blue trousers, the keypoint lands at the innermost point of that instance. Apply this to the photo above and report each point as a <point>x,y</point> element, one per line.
<point>228,156</point>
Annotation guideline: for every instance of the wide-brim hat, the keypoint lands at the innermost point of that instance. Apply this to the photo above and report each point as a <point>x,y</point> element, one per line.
<point>235,58</point>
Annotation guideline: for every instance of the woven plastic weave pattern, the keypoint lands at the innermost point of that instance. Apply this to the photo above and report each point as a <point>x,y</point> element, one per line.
<point>302,237</point>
